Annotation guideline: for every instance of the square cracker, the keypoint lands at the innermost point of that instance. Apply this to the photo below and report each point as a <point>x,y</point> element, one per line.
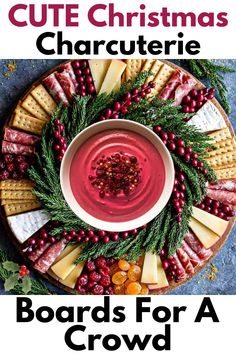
<point>14,209</point>
<point>11,194</point>
<point>14,185</point>
<point>19,109</point>
<point>32,106</point>
<point>148,64</point>
<point>222,160</point>
<point>15,201</point>
<point>226,173</point>
<point>25,122</point>
<point>220,135</point>
<point>230,146</point>
<point>44,99</point>
<point>162,78</point>
<point>133,68</point>
<point>156,67</point>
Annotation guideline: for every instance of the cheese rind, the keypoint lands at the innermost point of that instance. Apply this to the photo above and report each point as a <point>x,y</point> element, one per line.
<point>149,273</point>
<point>67,264</point>
<point>25,225</point>
<point>213,223</point>
<point>162,281</point>
<point>99,69</point>
<point>206,236</point>
<point>208,118</point>
<point>114,72</point>
<point>71,280</point>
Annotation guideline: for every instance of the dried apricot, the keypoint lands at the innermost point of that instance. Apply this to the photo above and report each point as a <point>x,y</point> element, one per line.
<point>133,288</point>
<point>128,281</point>
<point>144,290</point>
<point>140,261</point>
<point>114,268</point>
<point>123,264</point>
<point>134,273</point>
<point>119,277</point>
<point>119,289</point>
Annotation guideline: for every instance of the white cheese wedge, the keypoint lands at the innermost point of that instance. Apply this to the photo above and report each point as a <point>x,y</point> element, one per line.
<point>213,223</point>
<point>162,281</point>
<point>71,280</point>
<point>208,118</point>
<point>114,72</point>
<point>206,236</point>
<point>149,273</point>
<point>67,264</point>
<point>25,225</point>
<point>99,69</point>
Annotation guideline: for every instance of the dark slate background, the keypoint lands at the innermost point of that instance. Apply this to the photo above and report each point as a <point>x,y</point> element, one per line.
<point>27,71</point>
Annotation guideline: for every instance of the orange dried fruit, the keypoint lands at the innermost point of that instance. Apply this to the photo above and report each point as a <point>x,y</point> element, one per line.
<point>144,290</point>
<point>114,268</point>
<point>133,288</point>
<point>128,281</point>
<point>134,273</point>
<point>119,277</point>
<point>140,261</point>
<point>119,289</point>
<point>123,265</point>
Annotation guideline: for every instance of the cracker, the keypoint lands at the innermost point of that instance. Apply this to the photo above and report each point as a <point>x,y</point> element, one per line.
<point>32,106</point>
<point>230,165</point>
<point>155,69</point>
<point>223,159</point>
<point>133,68</point>
<point>15,201</point>
<point>162,78</point>
<point>17,195</point>
<point>44,99</point>
<point>148,64</point>
<point>226,173</point>
<point>224,149</point>
<point>14,185</point>
<point>19,109</point>
<point>28,123</point>
<point>223,143</point>
<point>220,135</point>
<point>13,209</point>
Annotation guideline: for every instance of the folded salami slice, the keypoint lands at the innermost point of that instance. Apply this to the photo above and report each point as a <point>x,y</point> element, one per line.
<point>224,185</point>
<point>183,89</point>
<point>175,80</point>
<point>181,271</point>
<point>48,257</point>
<point>222,196</point>
<point>67,84</point>
<point>15,136</point>
<point>195,260</point>
<point>197,247</point>
<point>38,252</point>
<point>185,260</point>
<point>17,149</point>
<point>55,89</point>
<point>68,67</point>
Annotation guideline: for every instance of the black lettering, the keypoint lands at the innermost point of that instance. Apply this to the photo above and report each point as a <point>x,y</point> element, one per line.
<point>136,341</point>
<point>164,337</point>
<point>61,44</point>
<point>120,316</point>
<point>140,309</point>
<point>155,47</point>
<point>115,338</point>
<point>97,44</point>
<point>69,312</point>
<point>69,334</point>
<point>156,314</point>
<point>193,47</point>
<point>141,43</point>
<point>86,47</point>
<point>23,306</point>
<point>80,312</point>
<point>125,51</point>
<point>91,340</point>
<point>109,47</point>
<point>40,46</point>
<point>49,314</point>
<point>206,310</point>
<point>105,310</point>
<point>177,311</point>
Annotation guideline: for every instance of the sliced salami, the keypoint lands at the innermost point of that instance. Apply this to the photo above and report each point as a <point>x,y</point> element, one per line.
<point>48,257</point>
<point>195,260</point>
<point>222,196</point>
<point>183,89</point>
<point>17,149</point>
<point>38,252</point>
<point>224,185</point>
<point>182,275</point>
<point>185,260</point>
<point>15,136</point>
<point>67,84</point>
<point>197,247</point>
<point>55,89</point>
<point>175,80</point>
<point>68,67</point>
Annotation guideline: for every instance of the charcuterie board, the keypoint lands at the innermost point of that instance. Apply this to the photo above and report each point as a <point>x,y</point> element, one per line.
<point>61,257</point>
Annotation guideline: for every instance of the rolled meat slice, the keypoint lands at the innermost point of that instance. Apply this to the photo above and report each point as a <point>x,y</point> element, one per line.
<point>175,80</point>
<point>55,89</point>
<point>197,247</point>
<point>15,136</point>
<point>183,89</point>
<point>17,149</point>
<point>48,257</point>
<point>185,260</point>
<point>224,185</point>
<point>222,196</point>
<point>38,252</point>
<point>67,84</point>
<point>182,275</point>
<point>195,260</point>
<point>68,67</point>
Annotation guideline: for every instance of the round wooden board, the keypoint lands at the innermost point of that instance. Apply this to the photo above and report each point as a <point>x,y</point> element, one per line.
<point>216,249</point>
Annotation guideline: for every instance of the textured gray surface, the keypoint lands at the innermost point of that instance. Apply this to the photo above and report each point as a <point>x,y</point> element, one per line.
<point>27,71</point>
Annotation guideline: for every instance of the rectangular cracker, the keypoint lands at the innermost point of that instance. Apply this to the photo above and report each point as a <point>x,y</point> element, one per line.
<point>15,201</point>
<point>44,99</point>
<point>220,135</point>
<point>222,160</point>
<point>14,209</point>
<point>133,68</point>
<point>28,123</point>
<point>32,106</point>
<point>230,165</point>
<point>226,173</point>
<point>23,195</point>
<point>223,150</point>
<point>148,64</point>
<point>223,143</point>
<point>19,109</point>
<point>14,185</point>
<point>162,78</point>
<point>156,67</point>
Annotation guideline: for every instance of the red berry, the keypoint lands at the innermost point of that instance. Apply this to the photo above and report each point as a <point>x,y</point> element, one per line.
<point>90,233</point>
<point>100,262</point>
<point>163,136</point>
<point>192,104</point>
<point>214,211</point>
<point>90,265</point>
<point>207,209</point>
<point>106,239</point>
<point>80,288</point>
<point>76,64</point>
<point>97,290</point>
<point>40,242</point>
<point>180,142</point>
<point>181,177</point>
<point>165,264</point>
<point>11,167</point>
<point>117,106</point>
<point>94,239</point>
<point>91,284</point>
<point>220,214</point>
<point>115,237</point>
<point>171,146</point>
<point>104,271</point>
<point>185,109</point>
<point>83,279</point>
<point>91,88</point>
<point>188,150</point>
<point>8,158</point>
<point>181,151</point>
<point>125,234</point>
<point>94,276</point>
<point>186,99</point>
<point>157,129</point>
<point>52,239</point>
<point>208,201</point>
<point>225,209</point>
<point>187,157</point>
<point>193,93</point>
<point>194,163</point>
<point>105,280</point>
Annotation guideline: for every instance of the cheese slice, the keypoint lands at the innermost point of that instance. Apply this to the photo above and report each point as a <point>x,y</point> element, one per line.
<point>206,236</point>
<point>67,264</point>
<point>149,273</point>
<point>162,281</point>
<point>117,85</point>
<point>25,225</point>
<point>114,72</point>
<point>53,275</point>
<point>213,223</point>
<point>65,252</point>
<point>99,69</point>
<point>208,118</point>
<point>71,280</point>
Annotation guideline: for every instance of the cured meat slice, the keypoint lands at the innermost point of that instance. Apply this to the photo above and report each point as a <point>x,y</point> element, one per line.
<point>67,84</point>
<point>183,89</point>
<point>224,185</point>
<point>55,89</point>
<point>181,271</point>
<point>15,136</point>
<point>185,260</point>
<point>38,252</point>
<point>175,80</point>
<point>222,196</point>
<point>68,67</point>
<point>197,247</point>
<point>195,260</point>
<point>48,257</point>
<point>17,149</point>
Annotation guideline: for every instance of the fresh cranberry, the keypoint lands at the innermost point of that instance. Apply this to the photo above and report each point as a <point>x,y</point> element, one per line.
<point>104,271</point>
<point>4,175</point>
<point>97,290</point>
<point>8,158</point>
<point>100,262</point>
<point>105,280</point>
<point>90,265</point>
<point>83,279</point>
<point>94,276</point>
